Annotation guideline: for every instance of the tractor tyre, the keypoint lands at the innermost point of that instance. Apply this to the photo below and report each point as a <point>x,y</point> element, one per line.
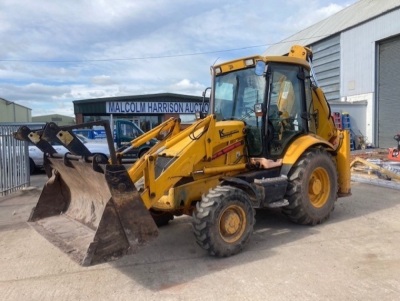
<point>223,221</point>
<point>312,189</point>
<point>161,218</point>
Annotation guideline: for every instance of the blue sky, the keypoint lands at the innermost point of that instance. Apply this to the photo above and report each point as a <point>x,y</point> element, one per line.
<point>54,52</point>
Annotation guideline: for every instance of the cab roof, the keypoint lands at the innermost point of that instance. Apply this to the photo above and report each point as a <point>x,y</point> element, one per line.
<point>250,61</point>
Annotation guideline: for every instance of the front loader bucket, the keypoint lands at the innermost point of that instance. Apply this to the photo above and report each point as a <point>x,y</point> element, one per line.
<point>92,216</point>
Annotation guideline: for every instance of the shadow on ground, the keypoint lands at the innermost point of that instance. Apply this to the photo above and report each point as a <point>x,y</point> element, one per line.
<point>174,258</point>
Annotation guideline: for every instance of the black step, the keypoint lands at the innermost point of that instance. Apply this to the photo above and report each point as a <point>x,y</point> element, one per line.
<point>274,191</point>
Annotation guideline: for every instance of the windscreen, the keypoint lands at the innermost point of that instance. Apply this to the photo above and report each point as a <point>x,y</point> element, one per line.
<point>236,93</point>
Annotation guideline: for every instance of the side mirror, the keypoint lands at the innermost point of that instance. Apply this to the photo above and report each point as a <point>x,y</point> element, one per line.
<point>205,92</point>
<point>200,115</point>
<point>260,68</point>
<point>259,109</point>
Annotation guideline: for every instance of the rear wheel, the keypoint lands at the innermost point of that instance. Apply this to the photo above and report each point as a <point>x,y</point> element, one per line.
<point>223,221</point>
<point>312,190</point>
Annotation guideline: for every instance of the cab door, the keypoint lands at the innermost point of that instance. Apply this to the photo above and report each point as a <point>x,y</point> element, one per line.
<point>286,104</point>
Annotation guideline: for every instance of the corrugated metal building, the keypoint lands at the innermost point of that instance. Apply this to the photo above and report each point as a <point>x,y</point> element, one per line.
<point>58,119</point>
<point>357,63</point>
<point>12,112</point>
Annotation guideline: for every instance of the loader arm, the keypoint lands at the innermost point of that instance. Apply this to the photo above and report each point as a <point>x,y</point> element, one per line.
<point>187,152</point>
<point>163,131</point>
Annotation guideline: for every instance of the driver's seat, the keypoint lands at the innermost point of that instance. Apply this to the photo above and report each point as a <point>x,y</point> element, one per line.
<point>285,98</point>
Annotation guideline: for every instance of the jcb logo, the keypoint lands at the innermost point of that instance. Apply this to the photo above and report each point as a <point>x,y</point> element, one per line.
<point>223,134</point>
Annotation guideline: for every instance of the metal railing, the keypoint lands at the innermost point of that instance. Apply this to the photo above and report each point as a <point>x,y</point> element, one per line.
<point>14,160</point>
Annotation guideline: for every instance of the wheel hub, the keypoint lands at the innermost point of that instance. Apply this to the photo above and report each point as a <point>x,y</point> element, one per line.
<point>315,186</point>
<point>230,222</point>
<point>319,187</point>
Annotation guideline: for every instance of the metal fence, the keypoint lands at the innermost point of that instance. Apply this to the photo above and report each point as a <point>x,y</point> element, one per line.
<point>14,160</point>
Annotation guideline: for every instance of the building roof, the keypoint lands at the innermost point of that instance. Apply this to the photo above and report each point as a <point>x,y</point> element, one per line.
<point>351,16</point>
<point>52,115</point>
<point>7,102</point>
<point>143,97</point>
<point>98,105</point>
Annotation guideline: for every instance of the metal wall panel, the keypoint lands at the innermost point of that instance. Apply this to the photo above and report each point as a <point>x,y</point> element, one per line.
<point>351,16</point>
<point>358,53</point>
<point>388,92</point>
<point>326,62</point>
<point>359,68</point>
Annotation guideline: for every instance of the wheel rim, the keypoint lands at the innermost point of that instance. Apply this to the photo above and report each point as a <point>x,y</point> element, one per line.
<point>232,223</point>
<point>319,187</point>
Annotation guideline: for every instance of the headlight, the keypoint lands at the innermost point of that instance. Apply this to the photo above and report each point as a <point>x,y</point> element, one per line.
<point>249,62</point>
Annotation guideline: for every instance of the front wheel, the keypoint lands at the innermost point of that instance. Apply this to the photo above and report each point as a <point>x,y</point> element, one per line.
<point>223,221</point>
<point>312,189</point>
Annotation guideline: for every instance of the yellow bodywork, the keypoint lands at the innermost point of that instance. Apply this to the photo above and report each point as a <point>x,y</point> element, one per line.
<point>300,145</point>
<point>190,154</point>
<point>326,134</point>
<point>326,126</point>
<point>97,212</point>
<point>343,164</point>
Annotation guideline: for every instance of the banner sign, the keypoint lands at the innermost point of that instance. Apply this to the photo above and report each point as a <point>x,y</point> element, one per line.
<point>131,107</point>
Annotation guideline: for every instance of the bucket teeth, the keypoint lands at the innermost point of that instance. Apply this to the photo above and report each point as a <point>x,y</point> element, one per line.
<point>52,132</point>
<point>24,133</point>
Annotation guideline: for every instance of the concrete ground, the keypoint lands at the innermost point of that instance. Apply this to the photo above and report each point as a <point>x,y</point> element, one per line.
<point>355,255</point>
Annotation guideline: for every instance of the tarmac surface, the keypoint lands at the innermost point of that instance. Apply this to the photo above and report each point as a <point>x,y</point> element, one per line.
<point>355,255</point>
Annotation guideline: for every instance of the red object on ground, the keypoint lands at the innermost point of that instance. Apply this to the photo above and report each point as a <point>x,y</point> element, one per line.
<point>394,153</point>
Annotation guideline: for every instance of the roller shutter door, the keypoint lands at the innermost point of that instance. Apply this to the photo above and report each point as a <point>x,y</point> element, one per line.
<point>388,92</point>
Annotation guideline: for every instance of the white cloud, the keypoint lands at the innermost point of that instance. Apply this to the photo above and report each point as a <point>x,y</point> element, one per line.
<point>313,12</point>
<point>185,86</point>
<point>103,80</point>
<point>74,39</point>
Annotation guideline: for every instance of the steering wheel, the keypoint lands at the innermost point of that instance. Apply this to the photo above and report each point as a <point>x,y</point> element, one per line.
<point>270,132</point>
<point>247,113</point>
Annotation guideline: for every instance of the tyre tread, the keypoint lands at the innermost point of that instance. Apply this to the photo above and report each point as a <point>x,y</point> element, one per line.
<point>296,211</point>
<point>204,218</point>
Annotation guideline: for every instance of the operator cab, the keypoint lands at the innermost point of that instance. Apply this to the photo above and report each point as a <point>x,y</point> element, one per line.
<point>273,99</point>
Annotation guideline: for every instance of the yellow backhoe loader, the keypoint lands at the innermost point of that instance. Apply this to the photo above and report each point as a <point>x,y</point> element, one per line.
<point>268,141</point>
